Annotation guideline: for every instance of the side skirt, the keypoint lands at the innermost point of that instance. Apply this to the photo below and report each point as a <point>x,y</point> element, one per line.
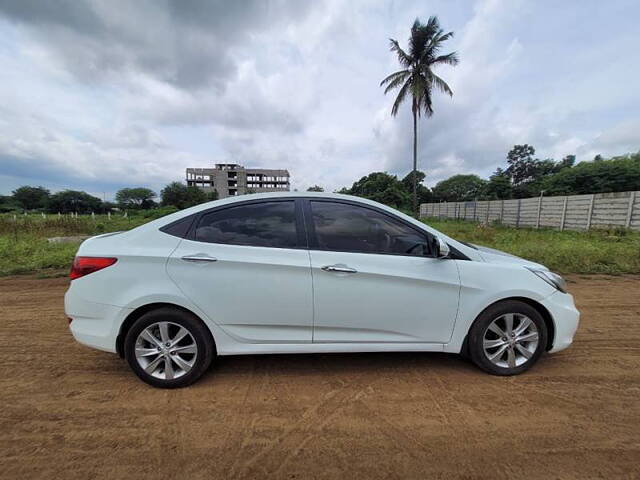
<point>281,348</point>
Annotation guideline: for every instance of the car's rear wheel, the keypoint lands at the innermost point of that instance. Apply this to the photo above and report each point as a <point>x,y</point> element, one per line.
<point>169,348</point>
<point>507,338</point>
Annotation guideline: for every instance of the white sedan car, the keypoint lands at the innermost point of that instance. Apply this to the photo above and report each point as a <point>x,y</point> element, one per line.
<point>307,273</point>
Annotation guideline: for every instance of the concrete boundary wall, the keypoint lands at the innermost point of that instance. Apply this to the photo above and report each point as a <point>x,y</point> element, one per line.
<point>572,212</point>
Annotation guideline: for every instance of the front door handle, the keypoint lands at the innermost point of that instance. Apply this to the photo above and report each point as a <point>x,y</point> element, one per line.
<point>339,268</point>
<point>199,258</point>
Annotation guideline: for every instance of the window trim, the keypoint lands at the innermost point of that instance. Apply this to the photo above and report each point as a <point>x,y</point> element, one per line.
<point>301,241</point>
<point>313,238</point>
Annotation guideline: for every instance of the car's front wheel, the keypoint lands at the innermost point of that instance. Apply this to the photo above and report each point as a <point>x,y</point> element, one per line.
<point>169,348</point>
<point>507,338</point>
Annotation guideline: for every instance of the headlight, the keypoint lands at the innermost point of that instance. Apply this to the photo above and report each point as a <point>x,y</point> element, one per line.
<point>551,278</point>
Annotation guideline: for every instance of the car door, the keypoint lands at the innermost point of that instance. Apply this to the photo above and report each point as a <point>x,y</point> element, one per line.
<point>246,265</point>
<point>374,279</point>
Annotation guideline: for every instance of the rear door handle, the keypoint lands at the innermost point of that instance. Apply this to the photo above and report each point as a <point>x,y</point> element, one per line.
<point>199,258</point>
<point>339,268</point>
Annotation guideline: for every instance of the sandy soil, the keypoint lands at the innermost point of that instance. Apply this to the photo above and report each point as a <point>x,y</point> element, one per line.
<point>71,412</point>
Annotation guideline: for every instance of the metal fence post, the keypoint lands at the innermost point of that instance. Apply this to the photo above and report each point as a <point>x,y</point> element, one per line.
<point>518,214</point>
<point>475,209</point>
<point>593,197</point>
<point>632,199</point>
<point>564,213</point>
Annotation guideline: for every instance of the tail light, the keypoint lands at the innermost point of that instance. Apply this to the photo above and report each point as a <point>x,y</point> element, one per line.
<point>85,265</point>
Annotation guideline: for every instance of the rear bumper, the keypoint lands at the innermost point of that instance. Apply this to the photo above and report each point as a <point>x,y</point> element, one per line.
<point>565,318</point>
<point>94,324</point>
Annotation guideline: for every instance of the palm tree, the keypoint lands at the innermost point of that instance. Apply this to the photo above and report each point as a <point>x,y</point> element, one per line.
<point>418,79</point>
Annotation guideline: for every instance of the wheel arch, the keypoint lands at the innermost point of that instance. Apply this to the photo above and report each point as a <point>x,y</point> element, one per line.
<point>541,309</point>
<point>140,311</point>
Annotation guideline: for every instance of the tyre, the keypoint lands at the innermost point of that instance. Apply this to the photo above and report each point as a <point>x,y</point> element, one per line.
<point>507,338</point>
<point>169,348</point>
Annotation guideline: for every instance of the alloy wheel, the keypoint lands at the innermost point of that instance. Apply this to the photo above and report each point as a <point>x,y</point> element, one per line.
<point>166,350</point>
<point>510,340</point>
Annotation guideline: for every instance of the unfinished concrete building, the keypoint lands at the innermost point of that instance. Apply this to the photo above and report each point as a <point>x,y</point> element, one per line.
<point>229,179</point>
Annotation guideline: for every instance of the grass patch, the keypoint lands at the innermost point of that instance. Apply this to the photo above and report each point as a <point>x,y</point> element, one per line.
<point>32,254</point>
<point>23,239</point>
<point>609,251</point>
<point>64,226</point>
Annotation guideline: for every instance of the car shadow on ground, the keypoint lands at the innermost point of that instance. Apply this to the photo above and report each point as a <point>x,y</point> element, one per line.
<point>341,363</point>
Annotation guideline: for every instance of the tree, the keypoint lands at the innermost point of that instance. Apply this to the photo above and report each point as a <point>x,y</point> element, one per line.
<point>527,174</point>
<point>315,188</point>
<point>616,174</point>
<point>74,201</point>
<point>381,187</point>
<point>424,194</point>
<point>459,188</point>
<point>521,166</point>
<point>499,186</point>
<point>8,204</point>
<point>139,197</point>
<point>31,198</point>
<point>567,162</point>
<point>180,196</point>
<point>418,79</point>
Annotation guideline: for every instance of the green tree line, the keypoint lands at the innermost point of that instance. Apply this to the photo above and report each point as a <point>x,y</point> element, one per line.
<point>40,199</point>
<point>522,176</point>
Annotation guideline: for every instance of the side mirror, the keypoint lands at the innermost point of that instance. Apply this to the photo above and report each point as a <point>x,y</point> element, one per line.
<point>441,248</point>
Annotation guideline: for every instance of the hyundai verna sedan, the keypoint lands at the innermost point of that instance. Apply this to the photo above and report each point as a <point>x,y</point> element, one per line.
<point>307,273</point>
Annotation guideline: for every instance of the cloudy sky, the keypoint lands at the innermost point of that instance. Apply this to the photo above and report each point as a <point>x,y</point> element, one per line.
<point>98,95</point>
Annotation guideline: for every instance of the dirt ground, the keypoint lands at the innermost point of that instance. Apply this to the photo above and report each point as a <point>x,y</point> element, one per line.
<point>71,412</point>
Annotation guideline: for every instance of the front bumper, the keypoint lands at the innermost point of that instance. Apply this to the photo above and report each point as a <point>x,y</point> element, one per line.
<point>566,318</point>
<point>94,324</point>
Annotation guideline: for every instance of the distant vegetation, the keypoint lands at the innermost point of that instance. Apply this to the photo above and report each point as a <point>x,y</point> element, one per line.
<point>39,199</point>
<point>33,214</point>
<point>385,188</point>
<point>523,176</point>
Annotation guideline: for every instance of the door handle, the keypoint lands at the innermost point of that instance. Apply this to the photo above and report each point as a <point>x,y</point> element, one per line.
<point>199,258</point>
<point>339,268</point>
